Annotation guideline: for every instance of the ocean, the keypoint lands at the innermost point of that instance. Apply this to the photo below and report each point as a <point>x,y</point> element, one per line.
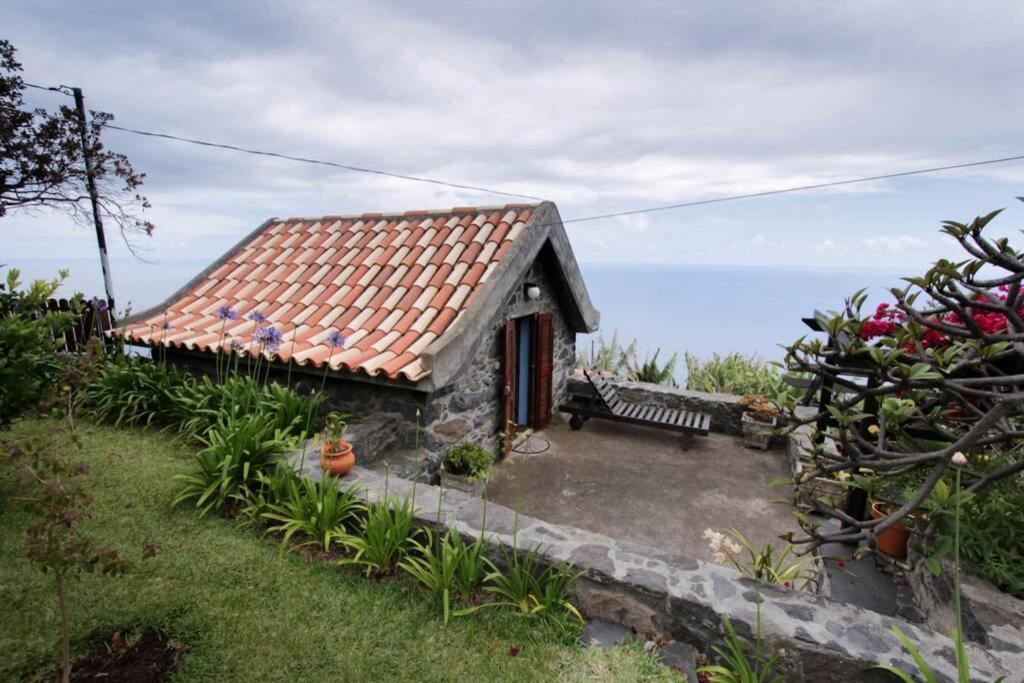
<point>718,309</point>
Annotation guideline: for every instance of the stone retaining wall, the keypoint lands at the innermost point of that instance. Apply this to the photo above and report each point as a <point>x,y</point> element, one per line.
<point>724,409</point>
<point>817,639</point>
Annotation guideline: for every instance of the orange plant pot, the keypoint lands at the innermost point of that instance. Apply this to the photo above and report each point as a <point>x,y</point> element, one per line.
<point>892,541</point>
<point>337,458</point>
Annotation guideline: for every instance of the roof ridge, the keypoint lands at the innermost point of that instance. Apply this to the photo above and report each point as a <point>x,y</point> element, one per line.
<point>421,213</point>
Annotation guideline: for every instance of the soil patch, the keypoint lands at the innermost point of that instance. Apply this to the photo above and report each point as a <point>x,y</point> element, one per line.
<point>150,658</point>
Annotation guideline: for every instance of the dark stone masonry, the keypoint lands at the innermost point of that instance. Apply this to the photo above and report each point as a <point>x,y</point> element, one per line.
<point>816,639</point>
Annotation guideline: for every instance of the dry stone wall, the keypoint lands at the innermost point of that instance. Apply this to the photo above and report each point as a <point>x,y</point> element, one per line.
<point>817,640</point>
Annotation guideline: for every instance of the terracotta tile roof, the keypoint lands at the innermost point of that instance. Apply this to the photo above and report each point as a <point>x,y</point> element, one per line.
<point>392,284</point>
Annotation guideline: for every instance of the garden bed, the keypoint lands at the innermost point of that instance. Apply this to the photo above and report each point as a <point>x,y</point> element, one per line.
<point>246,611</point>
<point>149,657</point>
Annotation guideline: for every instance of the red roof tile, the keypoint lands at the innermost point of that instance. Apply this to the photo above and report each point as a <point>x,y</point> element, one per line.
<point>392,284</point>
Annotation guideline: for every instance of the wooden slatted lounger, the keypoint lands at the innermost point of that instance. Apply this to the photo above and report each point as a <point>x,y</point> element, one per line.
<point>608,405</point>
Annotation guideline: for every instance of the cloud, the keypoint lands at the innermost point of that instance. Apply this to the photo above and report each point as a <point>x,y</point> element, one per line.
<point>892,243</point>
<point>610,109</point>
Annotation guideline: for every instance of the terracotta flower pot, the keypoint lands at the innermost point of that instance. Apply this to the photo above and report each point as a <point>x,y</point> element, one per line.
<point>337,458</point>
<point>892,541</point>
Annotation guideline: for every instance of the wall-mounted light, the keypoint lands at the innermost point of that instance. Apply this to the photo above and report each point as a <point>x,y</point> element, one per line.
<point>532,292</point>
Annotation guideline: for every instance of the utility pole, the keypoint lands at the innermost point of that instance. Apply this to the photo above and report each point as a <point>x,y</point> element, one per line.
<point>90,182</point>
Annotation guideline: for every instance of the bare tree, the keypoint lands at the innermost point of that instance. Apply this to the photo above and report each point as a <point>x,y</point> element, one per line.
<point>42,165</point>
<point>940,371</point>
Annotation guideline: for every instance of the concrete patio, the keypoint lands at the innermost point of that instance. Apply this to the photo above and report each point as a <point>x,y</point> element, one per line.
<point>638,484</point>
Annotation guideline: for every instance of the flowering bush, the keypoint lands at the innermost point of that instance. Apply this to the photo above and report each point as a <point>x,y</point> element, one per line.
<point>938,371</point>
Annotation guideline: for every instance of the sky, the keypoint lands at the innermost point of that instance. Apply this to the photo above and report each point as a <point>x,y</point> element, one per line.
<point>598,106</point>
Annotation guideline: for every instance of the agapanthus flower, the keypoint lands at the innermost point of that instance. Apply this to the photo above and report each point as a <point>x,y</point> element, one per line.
<point>167,326</point>
<point>257,317</point>
<point>227,313</point>
<point>236,345</point>
<point>98,304</point>
<point>269,337</point>
<point>335,339</point>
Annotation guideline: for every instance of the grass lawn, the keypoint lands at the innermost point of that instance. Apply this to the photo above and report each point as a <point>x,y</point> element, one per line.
<point>247,613</point>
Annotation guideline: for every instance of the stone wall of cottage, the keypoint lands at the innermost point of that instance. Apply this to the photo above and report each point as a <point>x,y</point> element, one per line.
<point>470,409</point>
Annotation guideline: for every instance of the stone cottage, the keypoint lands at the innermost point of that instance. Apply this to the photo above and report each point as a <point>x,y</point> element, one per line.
<point>462,321</point>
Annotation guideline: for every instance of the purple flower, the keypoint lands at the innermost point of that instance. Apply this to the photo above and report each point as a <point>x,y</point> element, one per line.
<point>269,337</point>
<point>167,326</point>
<point>336,339</point>
<point>236,345</point>
<point>226,313</point>
<point>257,317</point>
<point>98,304</point>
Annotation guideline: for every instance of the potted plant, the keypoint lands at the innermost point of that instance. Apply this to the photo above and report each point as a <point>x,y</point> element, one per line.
<point>466,467</point>
<point>892,541</point>
<point>760,417</point>
<point>336,456</point>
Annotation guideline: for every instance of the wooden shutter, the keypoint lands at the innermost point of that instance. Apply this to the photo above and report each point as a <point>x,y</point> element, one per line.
<point>543,361</point>
<point>507,395</point>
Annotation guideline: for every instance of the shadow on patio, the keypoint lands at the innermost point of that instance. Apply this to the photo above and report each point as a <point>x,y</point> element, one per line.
<point>637,483</point>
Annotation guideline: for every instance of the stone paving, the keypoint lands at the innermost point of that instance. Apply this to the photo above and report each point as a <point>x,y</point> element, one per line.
<point>638,483</point>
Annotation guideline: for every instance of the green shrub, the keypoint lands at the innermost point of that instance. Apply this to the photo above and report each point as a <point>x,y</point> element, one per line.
<point>733,666</point>
<point>448,568</point>
<point>322,511</point>
<point>267,488</point>
<point>200,404</point>
<point>468,459</point>
<point>530,587</point>
<point>236,450</point>
<point>649,372</point>
<point>388,533</point>
<point>136,391</point>
<point>607,356</point>
<point>734,374</point>
<point>435,569</point>
<point>992,523</point>
<point>29,340</point>
<point>622,361</point>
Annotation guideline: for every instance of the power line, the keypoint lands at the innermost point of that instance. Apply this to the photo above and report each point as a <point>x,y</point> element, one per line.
<point>799,188</point>
<point>306,160</point>
<point>57,89</point>
<point>581,219</point>
<point>334,164</point>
